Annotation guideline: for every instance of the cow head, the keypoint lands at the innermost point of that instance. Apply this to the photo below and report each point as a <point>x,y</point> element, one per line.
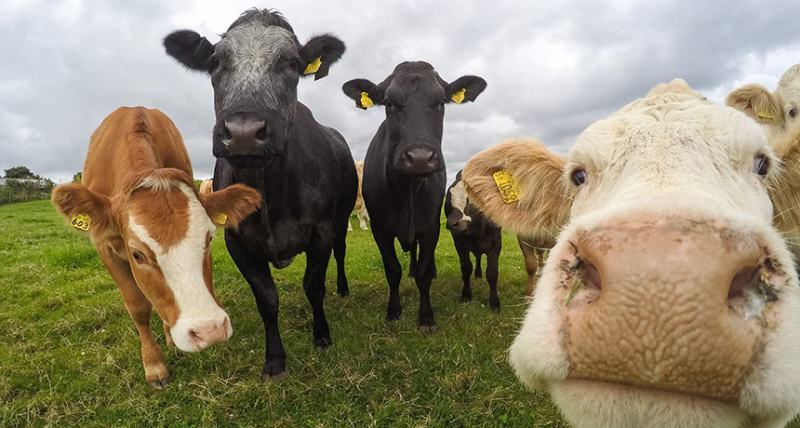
<point>254,69</point>
<point>414,96</point>
<point>670,298</point>
<point>778,112</point>
<point>456,202</point>
<point>163,229</point>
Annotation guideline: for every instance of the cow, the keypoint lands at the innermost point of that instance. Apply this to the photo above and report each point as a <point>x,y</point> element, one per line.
<point>670,298</point>
<point>777,113</point>
<point>534,252</point>
<point>360,209</point>
<point>206,187</point>
<point>404,171</point>
<point>153,231</point>
<point>473,233</point>
<point>266,138</point>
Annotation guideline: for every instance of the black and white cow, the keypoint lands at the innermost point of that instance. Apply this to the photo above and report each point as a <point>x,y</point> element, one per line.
<point>268,140</point>
<point>404,175</point>
<point>473,233</point>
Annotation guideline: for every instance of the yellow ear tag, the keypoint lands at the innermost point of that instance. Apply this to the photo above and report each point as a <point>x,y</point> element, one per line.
<point>80,222</point>
<point>765,115</point>
<point>458,96</point>
<point>366,101</point>
<point>220,219</point>
<point>507,185</point>
<point>313,66</point>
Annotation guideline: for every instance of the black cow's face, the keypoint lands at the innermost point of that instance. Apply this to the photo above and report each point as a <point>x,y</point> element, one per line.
<point>414,97</point>
<point>254,70</point>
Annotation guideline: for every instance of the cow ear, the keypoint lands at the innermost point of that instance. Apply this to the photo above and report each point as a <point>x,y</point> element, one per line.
<point>83,209</point>
<point>518,184</point>
<point>229,206</point>
<point>365,93</point>
<point>465,88</point>
<point>783,185</point>
<point>758,103</point>
<point>190,49</point>
<point>319,53</point>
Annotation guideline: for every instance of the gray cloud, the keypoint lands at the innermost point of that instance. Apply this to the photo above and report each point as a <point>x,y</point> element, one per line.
<point>552,67</point>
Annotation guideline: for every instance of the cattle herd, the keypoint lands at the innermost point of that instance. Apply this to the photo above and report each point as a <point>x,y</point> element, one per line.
<point>669,296</point>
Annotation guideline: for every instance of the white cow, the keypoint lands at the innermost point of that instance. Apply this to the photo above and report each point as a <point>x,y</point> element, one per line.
<point>669,299</point>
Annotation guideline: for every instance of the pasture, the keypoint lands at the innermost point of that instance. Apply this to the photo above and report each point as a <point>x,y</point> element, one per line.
<point>70,354</point>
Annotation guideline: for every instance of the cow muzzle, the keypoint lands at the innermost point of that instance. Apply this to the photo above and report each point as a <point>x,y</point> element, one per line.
<point>244,134</point>
<point>419,160</point>
<point>668,304</point>
<point>195,334</point>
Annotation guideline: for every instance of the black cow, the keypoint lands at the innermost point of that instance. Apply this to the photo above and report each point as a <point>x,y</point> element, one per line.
<point>265,138</point>
<point>404,175</point>
<point>473,233</point>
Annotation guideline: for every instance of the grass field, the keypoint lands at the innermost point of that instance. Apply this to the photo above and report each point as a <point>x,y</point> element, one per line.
<point>69,354</point>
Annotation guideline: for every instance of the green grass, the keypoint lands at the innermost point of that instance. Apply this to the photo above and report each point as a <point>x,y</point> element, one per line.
<point>69,354</point>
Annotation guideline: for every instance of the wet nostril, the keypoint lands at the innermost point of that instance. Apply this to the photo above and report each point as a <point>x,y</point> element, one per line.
<point>590,276</point>
<point>740,281</point>
<point>226,133</point>
<point>194,335</point>
<point>261,134</point>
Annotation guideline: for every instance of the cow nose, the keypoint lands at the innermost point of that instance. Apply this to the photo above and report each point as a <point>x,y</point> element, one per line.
<point>666,304</point>
<point>244,135</point>
<point>203,336</point>
<point>420,161</point>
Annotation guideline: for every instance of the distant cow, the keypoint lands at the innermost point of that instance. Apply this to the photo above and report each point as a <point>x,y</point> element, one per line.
<point>153,231</point>
<point>265,138</point>
<point>670,298</point>
<point>206,187</point>
<point>360,209</point>
<point>534,253</point>
<point>473,233</point>
<point>404,175</point>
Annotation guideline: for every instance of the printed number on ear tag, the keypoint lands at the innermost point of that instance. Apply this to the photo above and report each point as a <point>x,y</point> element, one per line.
<point>313,66</point>
<point>507,185</point>
<point>80,222</point>
<point>220,219</point>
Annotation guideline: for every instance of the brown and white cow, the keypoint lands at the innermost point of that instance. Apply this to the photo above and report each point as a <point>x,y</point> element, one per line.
<point>153,230</point>
<point>360,208</point>
<point>669,299</point>
<point>206,187</point>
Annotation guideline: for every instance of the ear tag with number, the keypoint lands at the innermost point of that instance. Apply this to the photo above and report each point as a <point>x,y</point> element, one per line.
<point>366,101</point>
<point>313,66</point>
<point>220,219</point>
<point>507,185</point>
<point>80,222</point>
<point>458,96</point>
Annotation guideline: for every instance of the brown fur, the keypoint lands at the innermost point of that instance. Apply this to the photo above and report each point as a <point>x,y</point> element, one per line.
<point>784,190</point>
<point>755,101</point>
<point>544,203</point>
<point>206,187</point>
<point>535,254</point>
<point>237,202</point>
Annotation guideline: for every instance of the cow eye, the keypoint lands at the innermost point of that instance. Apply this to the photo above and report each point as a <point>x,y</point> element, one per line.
<point>138,256</point>
<point>578,176</point>
<point>438,106</point>
<point>761,165</point>
<point>793,112</point>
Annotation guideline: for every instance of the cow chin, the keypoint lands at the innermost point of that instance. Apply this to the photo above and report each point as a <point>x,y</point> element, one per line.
<point>193,334</point>
<point>600,404</point>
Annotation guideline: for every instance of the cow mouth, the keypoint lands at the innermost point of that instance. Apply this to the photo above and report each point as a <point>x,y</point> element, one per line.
<point>247,161</point>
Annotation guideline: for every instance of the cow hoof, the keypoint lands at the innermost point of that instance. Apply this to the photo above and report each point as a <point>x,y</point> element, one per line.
<point>478,274</point>
<point>427,329</point>
<point>466,298</point>
<point>343,292</point>
<point>277,377</point>
<point>159,383</point>
<point>495,307</point>
<point>322,342</point>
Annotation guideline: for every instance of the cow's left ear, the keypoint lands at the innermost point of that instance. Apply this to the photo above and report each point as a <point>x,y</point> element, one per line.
<point>465,88</point>
<point>758,103</point>
<point>365,93</point>
<point>319,54</point>
<point>229,206</point>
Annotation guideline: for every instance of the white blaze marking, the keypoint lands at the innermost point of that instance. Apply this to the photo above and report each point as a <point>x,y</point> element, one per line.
<point>458,199</point>
<point>182,266</point>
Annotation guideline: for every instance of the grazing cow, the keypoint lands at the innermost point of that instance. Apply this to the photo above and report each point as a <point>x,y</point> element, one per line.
<point>266,138</point>
<point>360,208</point>
<point>669,299</point>
<point>534,251</point>
<point>152,230</point>
<point>206,187</point>
<point>473,233</point>
<point>404,175</point>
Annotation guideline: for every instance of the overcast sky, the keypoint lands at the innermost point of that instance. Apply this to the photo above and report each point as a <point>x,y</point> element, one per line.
<point>552,67</point>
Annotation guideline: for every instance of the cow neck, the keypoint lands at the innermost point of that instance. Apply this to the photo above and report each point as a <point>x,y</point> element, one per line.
<point>406,189</point>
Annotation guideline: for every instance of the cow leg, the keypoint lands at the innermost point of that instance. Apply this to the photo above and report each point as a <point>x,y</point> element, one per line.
<point>492,262</point>
<point>167,334</point>
<point>339,252</point>
<point>478,272</point>
<point>412,265</point>
<point>531,266</point>
<point>349,226</point>
<point>140,309</point>
<point>392,269</point>
<point>314,285</point>
<point>363,218</point>
<point>426,268</point>
<point>257,273</point>
<point>466,271</point>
